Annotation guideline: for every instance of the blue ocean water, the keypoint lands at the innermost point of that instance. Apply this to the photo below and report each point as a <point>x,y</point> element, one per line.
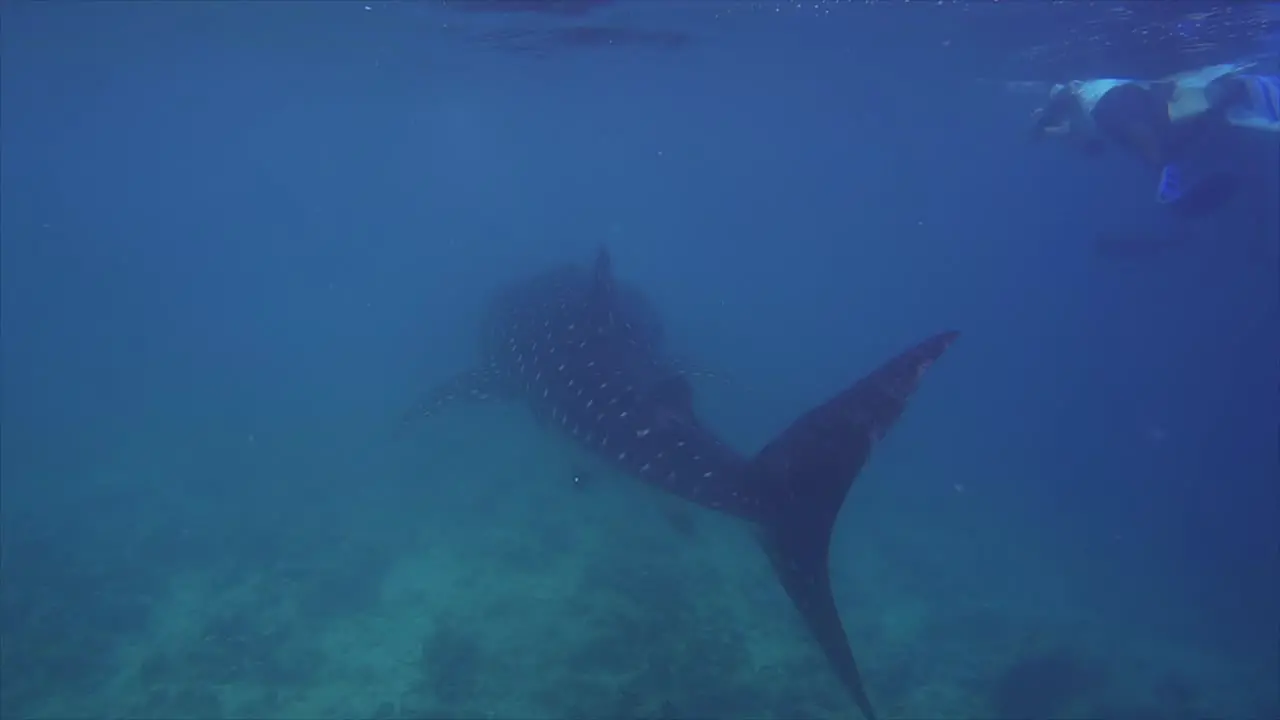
<point>238,240</point>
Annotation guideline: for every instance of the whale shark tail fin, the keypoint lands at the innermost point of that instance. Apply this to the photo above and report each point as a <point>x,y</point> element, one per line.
<point>806,473</point>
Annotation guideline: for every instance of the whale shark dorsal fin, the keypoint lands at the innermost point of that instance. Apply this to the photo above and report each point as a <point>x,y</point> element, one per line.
<point>602,273</point>
<point>806,473</point>
<point>602,297</point>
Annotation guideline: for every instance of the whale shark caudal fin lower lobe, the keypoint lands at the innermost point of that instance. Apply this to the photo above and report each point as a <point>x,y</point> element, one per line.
<point>807,471</point>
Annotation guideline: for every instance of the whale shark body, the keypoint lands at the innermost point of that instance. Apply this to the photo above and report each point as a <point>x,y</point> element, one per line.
<point>586,356</point>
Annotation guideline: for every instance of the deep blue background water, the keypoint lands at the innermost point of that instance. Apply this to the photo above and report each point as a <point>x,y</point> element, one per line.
<point>225,224</point>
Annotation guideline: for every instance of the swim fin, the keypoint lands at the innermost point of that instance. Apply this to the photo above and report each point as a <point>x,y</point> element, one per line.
<point>1170,187</point>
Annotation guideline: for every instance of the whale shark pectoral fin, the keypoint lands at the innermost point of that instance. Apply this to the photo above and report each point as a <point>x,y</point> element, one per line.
<point>804,475</point>
<point>672,398</point>
<point>475,385</point>
<point>674,393</point>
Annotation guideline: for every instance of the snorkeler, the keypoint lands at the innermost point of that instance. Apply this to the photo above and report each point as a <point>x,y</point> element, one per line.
<point>1130,113</point>
<point>1155,120</point>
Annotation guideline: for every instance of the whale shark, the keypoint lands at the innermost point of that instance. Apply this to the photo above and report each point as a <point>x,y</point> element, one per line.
<point>586,354</point>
